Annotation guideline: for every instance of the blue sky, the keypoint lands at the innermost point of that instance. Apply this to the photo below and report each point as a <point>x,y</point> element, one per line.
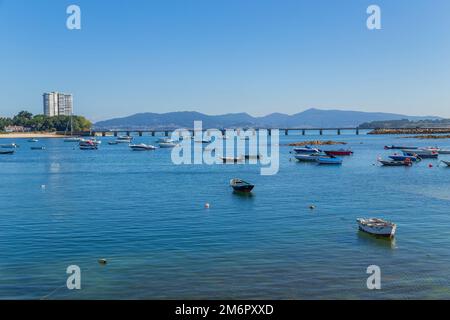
<point>222,56</point>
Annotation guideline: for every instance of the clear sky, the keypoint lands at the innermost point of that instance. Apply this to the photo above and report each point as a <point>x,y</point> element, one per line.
<point>222,56</point>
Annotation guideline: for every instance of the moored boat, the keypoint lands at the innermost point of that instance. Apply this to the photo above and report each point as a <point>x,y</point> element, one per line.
<point>231,159</point>
<point>424,154</point>
<point>142,147</point>
<point>33,140</point>
<point>444,151</point>
<point>88,145</point>
<point>393,147</point>
<point>332,160</point>
<point>446,162</point>
<point>239,185</point>
<point>396,157</point>
<point>167,144</point>
<point>7,152</point>
<point>37,148</point>
<point>307,157</point>
<point>378,227</point>
<point>393,163</point>
<point>340,152</point>
<point>124,139</point>
<point>72,139</point>
<point>9,146</point>
<point>306,149</point>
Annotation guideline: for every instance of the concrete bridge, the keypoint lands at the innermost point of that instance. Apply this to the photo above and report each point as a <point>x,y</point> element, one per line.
<point>158,132</point>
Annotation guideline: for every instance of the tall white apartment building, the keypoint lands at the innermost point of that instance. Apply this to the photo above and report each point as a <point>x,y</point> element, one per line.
<point>57,104</point>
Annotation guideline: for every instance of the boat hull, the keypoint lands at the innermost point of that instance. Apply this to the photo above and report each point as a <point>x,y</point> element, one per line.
<point>381,231</point>
<point>7,152</point>
<point>339,153</point>
<point>306,158</point>
<point>329,161</point>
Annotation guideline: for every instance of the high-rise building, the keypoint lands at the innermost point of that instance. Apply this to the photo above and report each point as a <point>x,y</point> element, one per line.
<point>57,104</point>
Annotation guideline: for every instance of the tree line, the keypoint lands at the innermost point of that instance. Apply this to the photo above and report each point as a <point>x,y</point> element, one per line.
<point>41,122</point>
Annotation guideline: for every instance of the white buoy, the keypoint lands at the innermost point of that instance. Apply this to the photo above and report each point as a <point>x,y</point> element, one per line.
<point>102,261</point>
<point>207,205</point>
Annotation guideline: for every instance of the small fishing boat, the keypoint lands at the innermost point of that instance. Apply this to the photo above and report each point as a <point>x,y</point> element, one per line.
<point>231,159</point>
<point>124,139</point>
<point>329,160</point>
<point>396,157</point>
<point>378,227</point>
<point>88,145</point>
<point>399,147</point>
<point>340,152</point>
<point>33,140</point>
<point>9,146</point>
<point>392,163</point>
<point>446,162</point>
<point>252,157</point>
<point>306,149</point>
<point>239,185</point>
<point>37,148</point>
<point>7,152</point>
<point>167,144</point>
<point>142,147</point>
<point>444,151</point>
<point>72,139</point>
<point>113,143</point>
<point>165,140</point>
<point>423,154</point>
<point>307,157</point>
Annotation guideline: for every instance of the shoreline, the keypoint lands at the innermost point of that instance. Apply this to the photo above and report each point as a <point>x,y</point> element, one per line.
<point>31,135</point>
<point>422,131</point>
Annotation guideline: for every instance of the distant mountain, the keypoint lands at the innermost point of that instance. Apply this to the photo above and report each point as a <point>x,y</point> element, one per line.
<point>311,118</point>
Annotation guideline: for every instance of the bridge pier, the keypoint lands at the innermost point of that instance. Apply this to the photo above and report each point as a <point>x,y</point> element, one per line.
<point>339,132</point>
<point>303,132</point>
<point>140,133</point>
<point>103,134</point>
<point>357,131</point>
<point>166,133</point>
<point>321,132</point>
<point>115,133</point>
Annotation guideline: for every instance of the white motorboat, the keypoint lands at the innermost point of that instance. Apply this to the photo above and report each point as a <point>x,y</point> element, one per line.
<point>33,140</point>
<point>72,139</point>
<point>378,227</point>
<point>124,139</point>
<point>142,147</point>
<point>165,140</point>
<point>446,163</point>
<point>306,149</point>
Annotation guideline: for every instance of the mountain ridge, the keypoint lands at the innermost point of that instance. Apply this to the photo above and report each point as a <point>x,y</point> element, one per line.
<point>310,118</point>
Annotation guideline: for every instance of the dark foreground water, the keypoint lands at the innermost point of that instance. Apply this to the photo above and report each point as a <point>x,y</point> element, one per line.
<point>146,216</point>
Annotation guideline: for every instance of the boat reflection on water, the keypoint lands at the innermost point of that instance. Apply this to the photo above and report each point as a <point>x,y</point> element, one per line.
<point>378,241</point>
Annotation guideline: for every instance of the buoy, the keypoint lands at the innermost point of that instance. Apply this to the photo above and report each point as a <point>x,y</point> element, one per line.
<point>312,207</point>
<point>42,186</point>
<point>207,205</point>
<point>430,166</point>
<point>102,261</point>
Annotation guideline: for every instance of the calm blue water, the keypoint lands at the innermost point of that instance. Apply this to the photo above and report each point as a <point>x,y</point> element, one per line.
<point>147,217</point>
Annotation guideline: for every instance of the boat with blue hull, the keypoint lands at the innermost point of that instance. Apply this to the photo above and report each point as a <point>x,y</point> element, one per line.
<point>404,158</point>
<point>329,160</point>
<point>423,154</point>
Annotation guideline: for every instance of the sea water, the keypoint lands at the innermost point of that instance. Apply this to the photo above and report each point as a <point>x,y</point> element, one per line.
<point>146,216</point>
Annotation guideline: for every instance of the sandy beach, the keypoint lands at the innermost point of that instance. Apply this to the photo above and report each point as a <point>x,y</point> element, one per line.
<point>29,135</point>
